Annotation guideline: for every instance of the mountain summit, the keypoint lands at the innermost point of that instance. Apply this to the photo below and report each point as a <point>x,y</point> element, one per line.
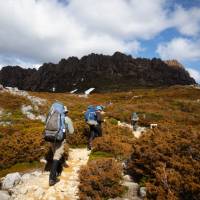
<point>117,73</point>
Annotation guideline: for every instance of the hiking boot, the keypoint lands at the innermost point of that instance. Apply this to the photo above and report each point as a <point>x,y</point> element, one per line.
<point>53,182</point>
<point>53,173</point>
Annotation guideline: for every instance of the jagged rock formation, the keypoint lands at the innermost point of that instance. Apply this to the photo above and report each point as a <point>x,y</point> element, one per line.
<point>105,73</point>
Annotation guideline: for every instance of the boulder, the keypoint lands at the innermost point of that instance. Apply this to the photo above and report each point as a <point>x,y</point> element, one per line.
<point>11,180</point>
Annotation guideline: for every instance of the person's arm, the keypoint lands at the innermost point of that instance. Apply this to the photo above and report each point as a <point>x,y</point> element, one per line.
<point>99,117</point>
<point>69,125</point>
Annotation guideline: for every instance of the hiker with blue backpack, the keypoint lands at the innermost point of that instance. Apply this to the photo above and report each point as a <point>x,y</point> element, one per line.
<point>94,119</point>
<point>58,125</point>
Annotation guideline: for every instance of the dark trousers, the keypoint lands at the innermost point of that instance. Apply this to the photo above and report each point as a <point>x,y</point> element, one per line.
<point>95,131</point>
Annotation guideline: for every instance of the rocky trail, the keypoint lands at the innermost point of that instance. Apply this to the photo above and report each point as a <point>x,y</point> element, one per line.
<point>35,185</point>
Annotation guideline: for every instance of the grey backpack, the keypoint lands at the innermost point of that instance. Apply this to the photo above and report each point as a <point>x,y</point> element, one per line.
<point>55,124</point>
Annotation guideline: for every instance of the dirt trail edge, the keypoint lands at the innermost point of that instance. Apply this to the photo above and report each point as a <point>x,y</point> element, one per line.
<point>35,185</point>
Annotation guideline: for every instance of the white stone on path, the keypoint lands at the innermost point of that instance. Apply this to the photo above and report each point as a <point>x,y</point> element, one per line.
<point>11,180</point>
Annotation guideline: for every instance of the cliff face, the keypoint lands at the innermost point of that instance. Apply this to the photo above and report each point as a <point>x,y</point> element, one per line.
<point>105,73</point>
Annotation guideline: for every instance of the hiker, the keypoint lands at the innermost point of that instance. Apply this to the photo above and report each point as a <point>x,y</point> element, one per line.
<point>94,118</point>
<point>58,124</point>
<point>134,121</point>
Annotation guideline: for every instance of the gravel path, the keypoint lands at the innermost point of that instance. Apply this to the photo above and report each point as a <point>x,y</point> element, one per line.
<point>35,185</point>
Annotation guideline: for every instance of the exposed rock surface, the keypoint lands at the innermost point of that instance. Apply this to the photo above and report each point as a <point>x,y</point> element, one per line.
<point>4,195</point>
<point>26,109</point>
<point>10,181</point>
<point>105,73</point>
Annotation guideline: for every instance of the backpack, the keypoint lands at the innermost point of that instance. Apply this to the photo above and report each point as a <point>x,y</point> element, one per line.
<point>55,123</point>
<point>90,116</point>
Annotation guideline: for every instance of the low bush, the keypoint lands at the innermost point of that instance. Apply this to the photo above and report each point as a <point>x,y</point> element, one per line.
<point>100,179</point>
<point>80,136</point>
<point>167,162</point>
<point>113,145</point>
<point>115,140</point>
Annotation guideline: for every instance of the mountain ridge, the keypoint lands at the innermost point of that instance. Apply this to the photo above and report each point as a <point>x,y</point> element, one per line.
<point>106,73</point>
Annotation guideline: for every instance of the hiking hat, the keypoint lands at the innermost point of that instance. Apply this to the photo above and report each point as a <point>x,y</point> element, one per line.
<point>99,108</point>
<point>65,109</point>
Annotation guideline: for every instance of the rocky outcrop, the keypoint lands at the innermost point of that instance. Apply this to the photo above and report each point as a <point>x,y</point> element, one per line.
<point>105,73</point>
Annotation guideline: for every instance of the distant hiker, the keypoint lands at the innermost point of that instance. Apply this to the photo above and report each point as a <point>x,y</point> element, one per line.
<point>58,124</point>
<point>134,121</point>
<point>93,117</point>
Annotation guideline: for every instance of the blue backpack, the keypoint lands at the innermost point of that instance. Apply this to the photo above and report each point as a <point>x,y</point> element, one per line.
<point>90,116</point>
<point>55,123</point>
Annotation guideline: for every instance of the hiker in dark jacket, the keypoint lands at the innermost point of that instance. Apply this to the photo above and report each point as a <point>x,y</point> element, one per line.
<point>134,121</point>
<point>58,150</point>
<point>96,130</point>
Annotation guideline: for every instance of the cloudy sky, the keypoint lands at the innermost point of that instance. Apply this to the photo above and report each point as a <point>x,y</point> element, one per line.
<point>37,31</point>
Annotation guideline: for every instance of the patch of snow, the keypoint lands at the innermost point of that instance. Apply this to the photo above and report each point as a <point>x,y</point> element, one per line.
<point>73,91</point>
<point>87,92</point>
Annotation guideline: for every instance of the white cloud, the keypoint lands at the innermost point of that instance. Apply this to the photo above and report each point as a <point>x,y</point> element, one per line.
<point>122,18</point>
<point>46,30</point>
<point>186,21</point>
<point>37,31</point>
<point>180,48</point>
<point>195,74</point>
